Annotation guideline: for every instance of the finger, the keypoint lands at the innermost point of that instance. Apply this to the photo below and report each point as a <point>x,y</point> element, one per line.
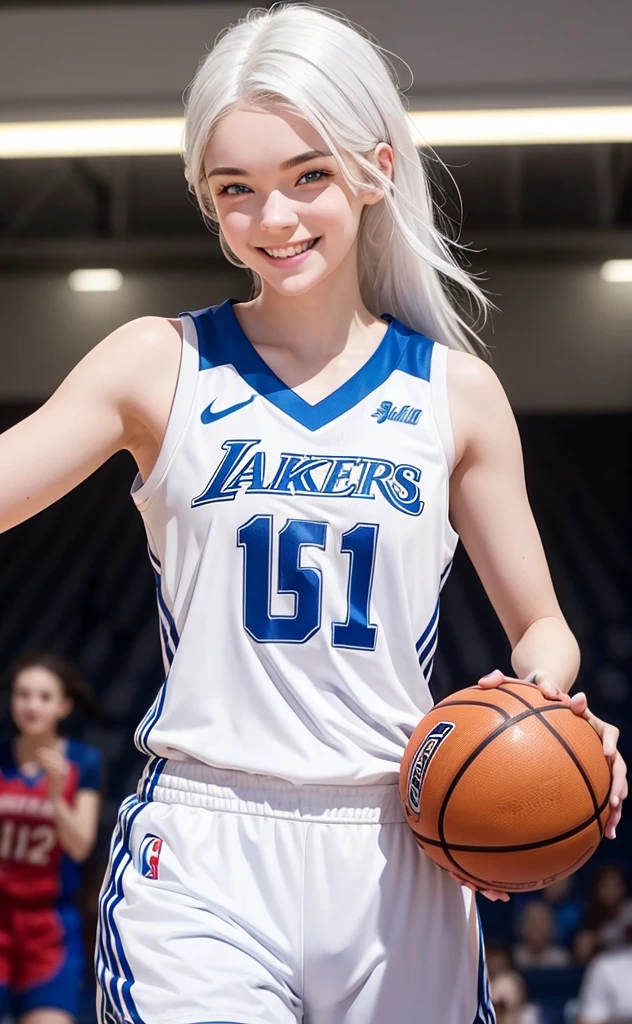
<point>552,692</point>
<point>610,830</point>
<point>609,734</point>
<point>494,678</point>
<point>494,895</point>
<point>610,738</point>
<point>579,706</point>
<point>618,793</point>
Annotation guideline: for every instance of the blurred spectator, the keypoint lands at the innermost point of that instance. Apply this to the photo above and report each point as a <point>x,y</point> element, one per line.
<point>499,959</point>
<point>608,913</point>
<point>567,906</point>
<point>49,808</point>
<point>606,992</point>
<point>508,994</point>
<point>507,988</point>
<point>536,929</point>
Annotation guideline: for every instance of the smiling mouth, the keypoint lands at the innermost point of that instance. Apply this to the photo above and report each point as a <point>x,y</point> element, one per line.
<point>286,252</point>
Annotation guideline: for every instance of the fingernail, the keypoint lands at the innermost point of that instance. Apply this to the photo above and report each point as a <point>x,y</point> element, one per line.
<point>615,801</point>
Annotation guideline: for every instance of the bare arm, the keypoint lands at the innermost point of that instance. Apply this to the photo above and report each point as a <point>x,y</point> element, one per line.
<point>108,402</point>
<point>490,510</point>
<point>77,825</point>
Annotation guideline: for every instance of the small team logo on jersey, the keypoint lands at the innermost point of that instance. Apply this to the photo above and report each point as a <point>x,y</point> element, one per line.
<point>149,856</point>
<point>388,411</point>
<point>210,415</point>
<point>421,762</point>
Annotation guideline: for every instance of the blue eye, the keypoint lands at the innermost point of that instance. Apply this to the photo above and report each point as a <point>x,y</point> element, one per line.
<point>224,190</point>
<point>323,174</point>
<point>227,189</point>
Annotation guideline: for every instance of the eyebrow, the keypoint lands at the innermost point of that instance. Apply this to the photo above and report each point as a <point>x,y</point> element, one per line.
<point>302,158</point>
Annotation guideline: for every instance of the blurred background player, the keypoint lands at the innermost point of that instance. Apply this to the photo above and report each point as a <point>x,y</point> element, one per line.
<point>606,992</point>
<point>49,809</point>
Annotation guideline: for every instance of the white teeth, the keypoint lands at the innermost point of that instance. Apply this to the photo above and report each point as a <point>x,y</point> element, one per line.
<point>292,250</point>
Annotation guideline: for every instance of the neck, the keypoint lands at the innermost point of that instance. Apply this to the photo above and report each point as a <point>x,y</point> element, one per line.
<point>29,745</point>
<point>328,319</point>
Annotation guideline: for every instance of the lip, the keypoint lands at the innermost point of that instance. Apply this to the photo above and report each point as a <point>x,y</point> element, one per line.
<point>289,261</point>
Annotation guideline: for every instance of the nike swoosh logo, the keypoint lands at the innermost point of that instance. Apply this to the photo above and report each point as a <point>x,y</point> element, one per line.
<point>209,417</point>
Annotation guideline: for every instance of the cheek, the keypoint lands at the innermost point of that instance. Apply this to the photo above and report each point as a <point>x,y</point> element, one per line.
<point>237,223</point>
<point>336,209</point>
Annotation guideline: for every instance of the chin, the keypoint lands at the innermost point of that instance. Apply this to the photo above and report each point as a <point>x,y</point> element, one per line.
<point>34,729</point>
<point>294,287</point>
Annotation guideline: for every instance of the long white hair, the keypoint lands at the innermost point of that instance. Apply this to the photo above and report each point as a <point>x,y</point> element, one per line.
<point>317,64</point>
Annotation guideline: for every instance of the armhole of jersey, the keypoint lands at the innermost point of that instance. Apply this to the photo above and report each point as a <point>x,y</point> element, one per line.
<point>443,420</point>
<point>178,417</point>
<point>440,404</point>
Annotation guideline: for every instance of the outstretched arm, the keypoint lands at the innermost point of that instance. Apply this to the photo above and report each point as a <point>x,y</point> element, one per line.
<point>96,411</point>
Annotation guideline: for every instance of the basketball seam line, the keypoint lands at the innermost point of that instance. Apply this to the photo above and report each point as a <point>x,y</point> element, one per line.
<point>472,757</point>
<point>475,704</point>
<point>460,847</point>
<point>573,756</point>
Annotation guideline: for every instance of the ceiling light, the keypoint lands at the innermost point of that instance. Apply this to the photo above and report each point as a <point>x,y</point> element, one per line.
<point>129,137</point>
<point>524,127</point>
<point>163,135</point>
<point>617,271</point>
<point>106,280</point>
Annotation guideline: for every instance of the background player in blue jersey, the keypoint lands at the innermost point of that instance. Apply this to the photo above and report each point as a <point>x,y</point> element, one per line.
<point>49,808</point>
<point>305,460</point>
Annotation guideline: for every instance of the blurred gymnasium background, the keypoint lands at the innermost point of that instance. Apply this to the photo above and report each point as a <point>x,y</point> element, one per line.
<point>547,202</point>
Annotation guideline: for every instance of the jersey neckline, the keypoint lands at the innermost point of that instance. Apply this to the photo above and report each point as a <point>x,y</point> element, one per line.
<point>16,769</point>
<point>264,381</point>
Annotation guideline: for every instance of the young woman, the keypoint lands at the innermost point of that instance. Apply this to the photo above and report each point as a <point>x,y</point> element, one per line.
<point>49,809</point>
<point>297,456</point>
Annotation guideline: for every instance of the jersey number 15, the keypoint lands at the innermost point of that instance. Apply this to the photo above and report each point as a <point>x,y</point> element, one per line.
<point>305,582</point>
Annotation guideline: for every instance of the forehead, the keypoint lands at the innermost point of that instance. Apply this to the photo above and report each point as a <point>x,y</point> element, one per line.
<point>259,139</point>
<point>37,676</point>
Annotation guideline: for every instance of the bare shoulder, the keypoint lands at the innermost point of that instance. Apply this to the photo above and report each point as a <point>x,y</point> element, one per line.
<point>477,399</point>
<point>146,340</point>
<point>139,362</point>
<point>468,374</point>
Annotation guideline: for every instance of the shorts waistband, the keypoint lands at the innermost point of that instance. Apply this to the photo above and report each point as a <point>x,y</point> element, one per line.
<point>223,789</point>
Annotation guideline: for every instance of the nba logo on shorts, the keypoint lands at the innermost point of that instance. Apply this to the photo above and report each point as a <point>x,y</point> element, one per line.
<point>149,855</point>
<point>422,759</point>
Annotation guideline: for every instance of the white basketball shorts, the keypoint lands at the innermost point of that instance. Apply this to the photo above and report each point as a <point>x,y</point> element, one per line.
<point>240,899</point>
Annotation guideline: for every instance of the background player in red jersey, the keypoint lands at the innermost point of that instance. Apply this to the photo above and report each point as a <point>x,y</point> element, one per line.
<point>49,809</point>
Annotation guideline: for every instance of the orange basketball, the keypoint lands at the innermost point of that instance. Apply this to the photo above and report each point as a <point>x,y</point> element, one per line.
<point>505,788</point>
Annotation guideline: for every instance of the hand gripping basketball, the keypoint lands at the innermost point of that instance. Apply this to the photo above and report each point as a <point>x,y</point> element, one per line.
<point>609,735</point>
<point>508,787</point>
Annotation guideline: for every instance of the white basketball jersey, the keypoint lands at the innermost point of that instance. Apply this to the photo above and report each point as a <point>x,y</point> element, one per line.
<point>299,551</point>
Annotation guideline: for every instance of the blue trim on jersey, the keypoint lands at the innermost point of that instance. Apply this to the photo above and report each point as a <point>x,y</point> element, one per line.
<point>110,952</point>
<point>426,646</point>
<point>444,575</point>
<point>170,632</point>
<point>170,641</point>
<point>485,1013</point>
<point>430,629</point>
<point>222,342</point>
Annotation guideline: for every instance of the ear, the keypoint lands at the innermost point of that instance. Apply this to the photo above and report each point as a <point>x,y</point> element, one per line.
<point>384,157</point>
<point>67,708</point>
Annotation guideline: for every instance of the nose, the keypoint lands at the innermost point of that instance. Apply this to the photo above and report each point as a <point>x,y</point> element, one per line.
<point>277,213</point>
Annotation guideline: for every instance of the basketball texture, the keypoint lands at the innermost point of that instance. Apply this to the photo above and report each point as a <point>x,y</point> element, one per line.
<point>505,788</point>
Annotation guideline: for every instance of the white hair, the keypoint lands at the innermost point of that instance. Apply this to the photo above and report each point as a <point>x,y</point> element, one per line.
<point>320,66</point>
